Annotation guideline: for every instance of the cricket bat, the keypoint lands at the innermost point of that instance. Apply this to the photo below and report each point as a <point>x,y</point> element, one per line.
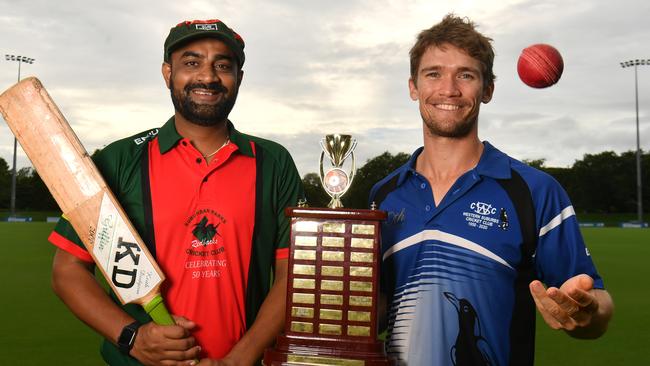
<point>83,196</point>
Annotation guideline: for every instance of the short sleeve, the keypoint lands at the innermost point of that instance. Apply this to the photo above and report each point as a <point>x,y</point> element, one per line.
<point>561,250</point>
<point>290,190</point>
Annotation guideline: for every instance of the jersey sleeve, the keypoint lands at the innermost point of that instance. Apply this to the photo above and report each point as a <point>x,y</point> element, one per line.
<point>290,190</point>
<point>561,251</point>
<point>64,237</point>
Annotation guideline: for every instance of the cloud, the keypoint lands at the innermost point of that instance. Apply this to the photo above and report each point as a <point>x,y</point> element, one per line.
<point>340,66</point>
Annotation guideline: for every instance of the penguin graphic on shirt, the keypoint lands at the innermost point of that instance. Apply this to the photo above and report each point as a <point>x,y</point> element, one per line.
<point>471,348</point>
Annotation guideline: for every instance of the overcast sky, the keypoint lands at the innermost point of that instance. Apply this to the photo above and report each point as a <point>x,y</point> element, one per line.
<point>318,67</point>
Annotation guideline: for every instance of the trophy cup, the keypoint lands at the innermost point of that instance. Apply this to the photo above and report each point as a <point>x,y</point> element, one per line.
<point>336,181</point>
<point>333,277</point>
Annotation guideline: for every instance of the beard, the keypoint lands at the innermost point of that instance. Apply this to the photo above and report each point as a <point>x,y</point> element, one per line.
<point>449,129</point>
<point>202,114</point>
<point>455,132</point>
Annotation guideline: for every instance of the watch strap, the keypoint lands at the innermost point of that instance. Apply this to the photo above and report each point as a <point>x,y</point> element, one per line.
<point>127,337</point>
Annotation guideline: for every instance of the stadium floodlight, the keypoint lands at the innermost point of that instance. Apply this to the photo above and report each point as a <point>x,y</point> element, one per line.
<point>639,192</point>
<point>20,60</point>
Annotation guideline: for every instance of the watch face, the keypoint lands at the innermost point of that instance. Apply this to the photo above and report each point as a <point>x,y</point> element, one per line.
<point>335,181</point>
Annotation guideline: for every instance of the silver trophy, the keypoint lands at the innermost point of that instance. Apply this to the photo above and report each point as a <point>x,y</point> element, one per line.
<point>336,181</point>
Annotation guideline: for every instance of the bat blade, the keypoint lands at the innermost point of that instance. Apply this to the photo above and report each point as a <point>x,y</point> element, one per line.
<point>83,196</point>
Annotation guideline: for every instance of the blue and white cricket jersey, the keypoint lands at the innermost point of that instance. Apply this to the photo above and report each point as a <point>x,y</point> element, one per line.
<point>449,271</point>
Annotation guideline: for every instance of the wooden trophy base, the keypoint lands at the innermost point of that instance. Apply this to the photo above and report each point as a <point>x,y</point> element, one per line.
<point>332,290</point>
<point>293,350</point>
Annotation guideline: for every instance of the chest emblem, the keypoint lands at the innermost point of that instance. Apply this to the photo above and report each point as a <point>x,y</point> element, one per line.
<point>483,208</point>
<point>483,215</point>
<point>205,232</point>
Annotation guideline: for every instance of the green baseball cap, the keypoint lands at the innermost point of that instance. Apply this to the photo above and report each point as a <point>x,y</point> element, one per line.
<point>190,30</point>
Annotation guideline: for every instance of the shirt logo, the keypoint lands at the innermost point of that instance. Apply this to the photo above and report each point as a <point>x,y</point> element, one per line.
<point>483,208</point>
<point>482,216</point>
<point>204,225</point>
<point>205,232</point>
<point>395,218</point>
<point>142,139</point>
<point>503,220</point>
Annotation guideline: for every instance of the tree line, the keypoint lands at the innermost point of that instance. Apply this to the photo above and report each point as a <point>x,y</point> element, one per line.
<point>31,192</point>
<point>597,183</point>
<point>600,183</point>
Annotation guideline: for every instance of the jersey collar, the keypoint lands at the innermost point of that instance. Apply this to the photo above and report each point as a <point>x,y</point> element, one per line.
<point>168,137</point>
<point>493,163</point>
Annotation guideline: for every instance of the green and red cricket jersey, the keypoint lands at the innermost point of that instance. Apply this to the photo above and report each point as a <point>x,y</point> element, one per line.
<point>215,229</point>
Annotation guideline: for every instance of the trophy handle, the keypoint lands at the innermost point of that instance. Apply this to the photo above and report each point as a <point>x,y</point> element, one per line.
<point>350,150</point>
<point>323,149</point>
<point>322,172</point>
<point>353,168</point>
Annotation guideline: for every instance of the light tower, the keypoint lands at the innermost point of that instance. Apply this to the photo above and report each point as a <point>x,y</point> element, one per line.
<point>20,60</point>
<point>639,193</point>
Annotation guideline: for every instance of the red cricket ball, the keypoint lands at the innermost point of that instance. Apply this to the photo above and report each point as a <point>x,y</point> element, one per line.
<point>540,66</point>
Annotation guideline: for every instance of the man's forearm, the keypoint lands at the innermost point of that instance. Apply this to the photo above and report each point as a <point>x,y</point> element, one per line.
<point>75,283</point>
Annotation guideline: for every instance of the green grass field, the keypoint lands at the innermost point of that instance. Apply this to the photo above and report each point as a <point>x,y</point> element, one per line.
<point>39,330</point>
<point>621,256</point>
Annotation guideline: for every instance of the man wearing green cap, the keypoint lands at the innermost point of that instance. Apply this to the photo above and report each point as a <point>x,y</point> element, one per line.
<point>209,201</point>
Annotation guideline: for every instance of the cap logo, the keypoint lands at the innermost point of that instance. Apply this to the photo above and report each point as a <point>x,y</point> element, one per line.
<point>186,31</point>
<point>206,27</point>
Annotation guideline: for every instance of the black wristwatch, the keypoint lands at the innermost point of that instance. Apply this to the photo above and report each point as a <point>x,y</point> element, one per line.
<point>127,337</point>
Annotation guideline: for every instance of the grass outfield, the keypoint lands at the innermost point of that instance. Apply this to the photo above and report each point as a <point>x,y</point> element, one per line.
<point>38,329</point>
<point>621,256</point>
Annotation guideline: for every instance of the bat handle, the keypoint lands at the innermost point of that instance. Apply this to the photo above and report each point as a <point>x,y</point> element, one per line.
<point>158,312</point>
